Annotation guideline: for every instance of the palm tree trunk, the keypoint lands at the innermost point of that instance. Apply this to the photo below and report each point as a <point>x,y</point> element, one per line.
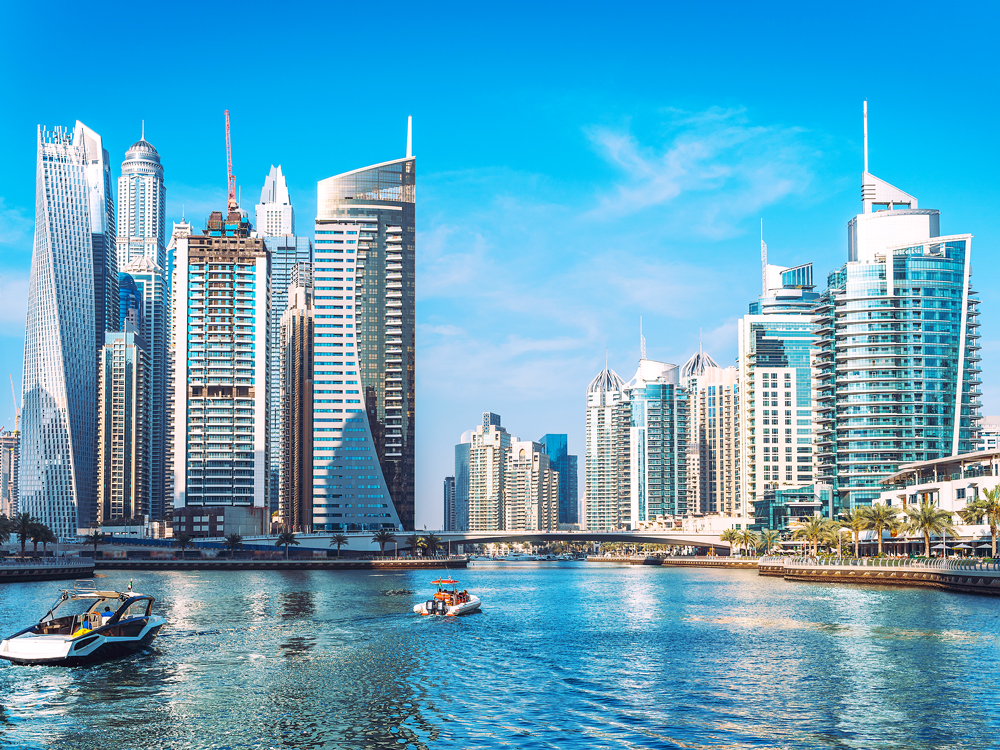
<point>878,533</point>
<point>993,539</point>
<point>927,544</point>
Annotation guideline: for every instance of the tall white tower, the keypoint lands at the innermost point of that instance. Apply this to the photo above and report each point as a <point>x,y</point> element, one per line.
<point>275,217</point>
<point>142,204</point>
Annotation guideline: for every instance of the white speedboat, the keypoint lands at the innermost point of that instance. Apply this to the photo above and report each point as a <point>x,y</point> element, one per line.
<point>85,626</point>
<point>448,602</point>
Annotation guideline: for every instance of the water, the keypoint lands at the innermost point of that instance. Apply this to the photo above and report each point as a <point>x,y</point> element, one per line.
<point>568,655</point>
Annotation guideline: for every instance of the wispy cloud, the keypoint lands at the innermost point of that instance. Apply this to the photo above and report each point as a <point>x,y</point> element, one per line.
<point>725,167</point>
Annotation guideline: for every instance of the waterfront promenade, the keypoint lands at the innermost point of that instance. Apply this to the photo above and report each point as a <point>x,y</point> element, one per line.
<point>45,569</point>
<point>294,563</point>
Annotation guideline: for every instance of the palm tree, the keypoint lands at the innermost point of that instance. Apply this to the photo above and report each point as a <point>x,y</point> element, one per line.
<point>811,529</point>
<point>286,538</point>
<point>732,536</point>
<point>749,540</point>
<point>415,543</point>
<point>857,521</point>
<point>989,508</point>
<point>95,538</point>
<point>234,542</point>
<point>340,540</point>
<point>47,538</point>
<point>37,534</point>
<point>382,537</point>
<point>23,525</point>
<point>6,526</point>
<point>928,519</point>
<point>881,518</point>
<point>432,544</point>
<point>183,541</point>
<point>769,540</point>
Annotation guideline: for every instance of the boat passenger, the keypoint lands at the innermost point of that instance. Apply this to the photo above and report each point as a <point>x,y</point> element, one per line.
<point>106,615</point>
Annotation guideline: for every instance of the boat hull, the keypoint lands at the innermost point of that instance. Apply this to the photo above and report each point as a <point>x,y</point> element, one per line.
<point>89,648</point>
<point>456,610</point>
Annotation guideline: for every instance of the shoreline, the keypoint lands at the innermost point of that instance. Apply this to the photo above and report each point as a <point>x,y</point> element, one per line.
<point>328,564</point>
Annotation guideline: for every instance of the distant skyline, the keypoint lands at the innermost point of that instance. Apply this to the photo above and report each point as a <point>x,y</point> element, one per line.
<point>576,170</point>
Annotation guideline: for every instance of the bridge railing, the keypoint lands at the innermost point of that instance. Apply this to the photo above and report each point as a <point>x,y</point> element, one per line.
<point>889,562</point>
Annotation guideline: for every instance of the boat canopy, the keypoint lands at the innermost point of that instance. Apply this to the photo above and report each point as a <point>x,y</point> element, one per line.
<point>444,582</point>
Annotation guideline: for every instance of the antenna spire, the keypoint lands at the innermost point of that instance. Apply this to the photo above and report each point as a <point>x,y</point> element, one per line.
<point>866,135</point>
<point>642,341</point>
<point>763,262</point>
<point>143,131</point>
<point>409,136</point>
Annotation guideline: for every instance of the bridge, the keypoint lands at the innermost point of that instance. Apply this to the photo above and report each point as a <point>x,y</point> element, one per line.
<point>362,541</point>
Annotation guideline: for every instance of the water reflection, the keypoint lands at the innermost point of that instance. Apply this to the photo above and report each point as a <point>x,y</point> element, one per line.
<point>562,656</point>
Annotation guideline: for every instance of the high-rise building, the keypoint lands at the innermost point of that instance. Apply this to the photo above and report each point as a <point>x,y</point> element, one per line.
<point>898,368</point>
<point>72,302</point>
<point>658,444</point>
<point>489,449</point>
<point>450,520</point>
<point>365,242</point>
<point>179,231</point>
<point>151,285</point>
<point>776,339</point>
<point>275,216</point>
<point>10,451</point>
<point>220,386</point>
<point>462,458</point>
<point>331,478</point>
<point>123,426</point>
<point>142,205</point>
<point>530,489</point>
<point>129,302</point>
<point>607,493</point>
<point>713,453</point>
<point>276,226</point>
<point>557,448</point>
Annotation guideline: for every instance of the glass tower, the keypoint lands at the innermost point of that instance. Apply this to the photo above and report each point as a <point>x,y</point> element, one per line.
<point>151,285</point>
<point>556,446</point>
<point>276,226</point>
<point>365,256</point>
<point>142,204</point>
<point>658,443</point>
<point>606,497</point>
<point>898,367</point>
<point>72,302</point>
<point>129,302</point>
<point>776,340</point>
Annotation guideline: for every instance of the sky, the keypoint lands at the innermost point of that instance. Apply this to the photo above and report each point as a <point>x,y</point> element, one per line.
<point>579,166</point>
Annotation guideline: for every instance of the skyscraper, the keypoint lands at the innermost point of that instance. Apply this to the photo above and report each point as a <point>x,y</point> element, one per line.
<point>10,454</point>
<point>450,522</point>
<point>72,302</point>
<point>658,444</point>
<point>776,339</point>
<point>462,458</point>
<point>713,452</point>
<point>123,426</point>
<point>151,285</point>
<point>365,244</point>
<point>275,216</point>
<point>898,369</point>
<point>142,205</point>
<point>607,494</point>
<point>331,479</point>
<point>220,386</point>
<point>489,449</point>
<point>557,448</point>
<point>276,226</point>
<point>129,302</point>
<point>531,489</point>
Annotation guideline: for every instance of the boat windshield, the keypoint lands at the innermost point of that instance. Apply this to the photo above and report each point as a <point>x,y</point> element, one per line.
<point>78,606</point>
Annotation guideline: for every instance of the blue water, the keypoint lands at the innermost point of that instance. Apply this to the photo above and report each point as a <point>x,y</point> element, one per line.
<point>571,655</point>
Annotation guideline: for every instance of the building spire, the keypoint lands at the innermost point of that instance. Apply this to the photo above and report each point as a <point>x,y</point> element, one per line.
<point>409,136</point>
<point>763,262</point>
<point>143,131</point>
<point>642,341</point>
<point>866,134</point>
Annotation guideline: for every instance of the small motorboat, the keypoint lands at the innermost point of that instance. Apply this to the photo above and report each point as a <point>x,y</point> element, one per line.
<point>448,602</point>
<point>86,626</point>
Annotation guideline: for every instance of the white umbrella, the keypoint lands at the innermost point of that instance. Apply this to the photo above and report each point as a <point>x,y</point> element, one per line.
<point>963,546</point>
<point>984,546</point>
<point>938,546</point>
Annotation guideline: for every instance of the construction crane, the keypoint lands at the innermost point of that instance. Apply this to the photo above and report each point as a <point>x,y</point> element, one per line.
<point>17,409</point>
<point>233,205</point>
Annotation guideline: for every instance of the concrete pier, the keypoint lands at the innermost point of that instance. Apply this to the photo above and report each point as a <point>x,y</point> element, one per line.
<point>45,569</point>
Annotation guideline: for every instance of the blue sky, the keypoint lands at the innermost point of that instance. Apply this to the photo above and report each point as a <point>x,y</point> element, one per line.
<point>579,165</point>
